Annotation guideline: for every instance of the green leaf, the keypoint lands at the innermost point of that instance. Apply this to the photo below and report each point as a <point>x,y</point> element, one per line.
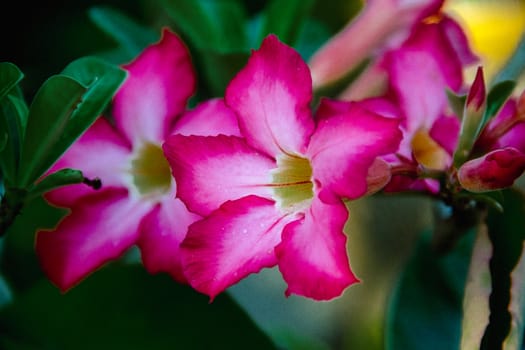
<point>222,25</point>
<point>507,233</point>
<point>497,96</point>
<point>123,307</point>
<point>57,179</point>
<point>477,292</point>
<point>13,119</point>
<point>95,81</point>
<point>285,19</point>
<point>10,75</point>
<point>130,36</point>
<point>220,68</point>
<point>456,102</point>
<point>49,113</point>
<point>426,308</point>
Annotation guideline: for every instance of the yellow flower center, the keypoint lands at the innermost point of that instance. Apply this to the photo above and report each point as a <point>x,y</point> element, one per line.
<point>150,170</point>
<point>292,182</point>
<point>428,152</point>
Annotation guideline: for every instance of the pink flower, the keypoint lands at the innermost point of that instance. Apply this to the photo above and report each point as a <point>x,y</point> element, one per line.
<point>136,204</point>
<point>273,195</point>
<point>497,158</point>
<point>381,24</point>
<point>420,71</point>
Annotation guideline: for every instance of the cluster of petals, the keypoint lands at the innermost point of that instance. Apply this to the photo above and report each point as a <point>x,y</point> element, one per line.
<point>497,158</point>
<point>273,194</point>
<point>430,62</point>
<point>136,204</point>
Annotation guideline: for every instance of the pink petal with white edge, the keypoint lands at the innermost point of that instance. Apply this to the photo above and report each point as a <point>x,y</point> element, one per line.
<point>159,84</point>
<point>234,241</point>
<point>312,255</point>
<point>100,228</point>
<point>495,170</point>
<point>209,118</point>
<point>210,170</point>
<point>100,152</point>
<point>162,231</point>
<point>271,97</point>
<point>343,148</point>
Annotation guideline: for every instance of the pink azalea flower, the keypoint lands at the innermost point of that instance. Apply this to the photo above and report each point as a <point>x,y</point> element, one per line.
<point>273,195</point>
<point>136,205</point>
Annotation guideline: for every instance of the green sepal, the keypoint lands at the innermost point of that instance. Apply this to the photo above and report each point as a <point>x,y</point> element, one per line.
<point>456,102</point>
<point>471,125</point>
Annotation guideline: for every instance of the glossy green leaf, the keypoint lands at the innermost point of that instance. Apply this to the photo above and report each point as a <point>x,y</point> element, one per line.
<point>426,308</point>
<point>222,25</point>
<point>129,35</point>
<point>507,233</point>
<point>10,75</point>
<point>93,84</point>
<point>13,119</point>
<point>476,309</point>
<point>49,114</point>
<point>496,98</point>
<point>286,19</point>
<point>123,307</point>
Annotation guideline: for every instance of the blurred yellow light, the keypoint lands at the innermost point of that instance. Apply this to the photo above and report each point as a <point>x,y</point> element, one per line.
<point>494,28</point>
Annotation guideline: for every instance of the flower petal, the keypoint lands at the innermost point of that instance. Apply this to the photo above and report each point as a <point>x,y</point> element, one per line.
<point>445,132</point>
<point>162,231</point>
<point>234,241</point>
<point>312,255</point>
<point>343,148</point>
<point>497,169</point>
<point>271,96</point>
<point>99,152</point>
<point>99,229</point>
<point>160,81</point>
<point>209,118</point>
<point>210,170</point>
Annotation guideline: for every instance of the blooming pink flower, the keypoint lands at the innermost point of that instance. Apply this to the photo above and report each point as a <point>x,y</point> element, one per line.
<point>136,204</point>
<point>273,195</point>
